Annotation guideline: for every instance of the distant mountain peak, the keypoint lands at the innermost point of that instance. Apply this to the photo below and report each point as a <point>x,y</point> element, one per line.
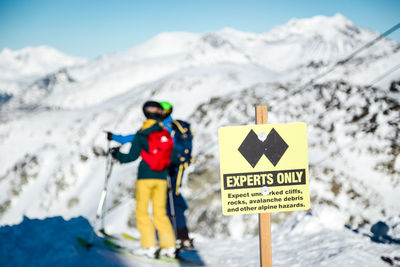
<point>32,62</point>
<point>330,28</point>
<point>35,52</point>
<point>320,20</point>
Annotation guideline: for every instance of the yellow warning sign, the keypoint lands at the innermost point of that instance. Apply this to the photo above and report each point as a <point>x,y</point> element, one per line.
<point>264,168</point>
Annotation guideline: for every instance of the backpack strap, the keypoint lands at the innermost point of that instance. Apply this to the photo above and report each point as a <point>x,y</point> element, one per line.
<point>179,126</point>
<point>179,178</point>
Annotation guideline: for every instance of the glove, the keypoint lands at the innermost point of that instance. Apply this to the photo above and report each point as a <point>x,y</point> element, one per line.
<point>113,151</point>
<point>109,136</point>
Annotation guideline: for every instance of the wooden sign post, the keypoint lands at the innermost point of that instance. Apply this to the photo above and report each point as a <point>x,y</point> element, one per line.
<point>264,169</point>
<point>264,219</point>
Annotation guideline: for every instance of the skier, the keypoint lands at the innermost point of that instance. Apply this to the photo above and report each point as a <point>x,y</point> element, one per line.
<point>182,134</point>
<point>151,183</point>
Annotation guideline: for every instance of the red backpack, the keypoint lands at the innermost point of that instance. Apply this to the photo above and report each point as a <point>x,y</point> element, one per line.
<point>160,150</point>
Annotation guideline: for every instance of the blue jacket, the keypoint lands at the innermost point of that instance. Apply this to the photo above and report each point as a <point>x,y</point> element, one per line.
<point>123,139</point>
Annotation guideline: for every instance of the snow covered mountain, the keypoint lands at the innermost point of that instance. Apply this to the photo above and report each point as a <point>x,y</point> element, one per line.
<point>282,51</point>
<point>19,69</point>
<point>51,128</point>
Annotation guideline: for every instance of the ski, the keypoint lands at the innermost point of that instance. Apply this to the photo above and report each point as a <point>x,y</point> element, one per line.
<point>111,244</point>
<point>114,245</point>
<point>103,233</point>
<point>109,239</point>
<point>122,250</point>
<point>127,252</point>
<point>166,260</point>
<point>129,237</point>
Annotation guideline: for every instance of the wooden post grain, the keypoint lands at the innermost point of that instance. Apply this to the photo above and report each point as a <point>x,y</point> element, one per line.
<point>264,219</point>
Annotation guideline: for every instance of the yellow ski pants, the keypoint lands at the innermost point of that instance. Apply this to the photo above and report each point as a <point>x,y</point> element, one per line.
<point>154,190</point>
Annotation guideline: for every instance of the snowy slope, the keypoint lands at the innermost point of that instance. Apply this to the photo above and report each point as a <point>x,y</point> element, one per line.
<point>52,130</point>
<point>302,240</point>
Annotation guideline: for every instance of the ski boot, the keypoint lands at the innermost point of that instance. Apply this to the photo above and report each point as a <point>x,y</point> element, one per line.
<point>185,244</point>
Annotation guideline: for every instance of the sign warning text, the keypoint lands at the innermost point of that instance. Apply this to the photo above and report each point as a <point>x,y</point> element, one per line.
<point>260,179</point>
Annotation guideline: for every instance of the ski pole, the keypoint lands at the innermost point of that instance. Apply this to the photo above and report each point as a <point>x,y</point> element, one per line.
<point>100,208</point>
<point>171,206</point>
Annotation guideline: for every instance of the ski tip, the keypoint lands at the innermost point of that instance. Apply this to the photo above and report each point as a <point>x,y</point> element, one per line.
<point>128,236</point>
<point>112,244</point>
<point>104,234</point>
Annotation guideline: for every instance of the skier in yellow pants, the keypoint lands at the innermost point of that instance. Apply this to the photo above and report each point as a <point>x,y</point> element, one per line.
<point>154,190</point>
<point>155,146</point>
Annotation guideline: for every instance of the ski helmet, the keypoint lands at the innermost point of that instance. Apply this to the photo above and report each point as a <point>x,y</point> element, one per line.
<point>152,110</point>
<point>167,107</point>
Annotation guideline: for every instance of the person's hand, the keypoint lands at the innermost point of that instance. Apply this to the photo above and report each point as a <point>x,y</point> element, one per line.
<point>113,151</point>
<point>109,136</point>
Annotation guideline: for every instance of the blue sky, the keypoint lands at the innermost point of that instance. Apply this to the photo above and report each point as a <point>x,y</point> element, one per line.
<point>90,28</point>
